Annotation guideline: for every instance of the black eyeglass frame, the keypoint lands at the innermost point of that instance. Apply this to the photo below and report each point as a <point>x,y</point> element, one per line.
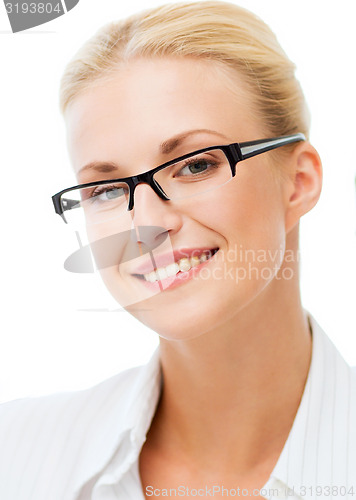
<point>234,153</point>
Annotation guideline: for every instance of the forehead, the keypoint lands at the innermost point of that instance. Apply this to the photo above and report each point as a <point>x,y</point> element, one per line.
<point>147,101</point>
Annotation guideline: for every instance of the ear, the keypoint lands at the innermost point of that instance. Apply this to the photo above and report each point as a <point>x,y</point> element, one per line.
<point>304,185</point>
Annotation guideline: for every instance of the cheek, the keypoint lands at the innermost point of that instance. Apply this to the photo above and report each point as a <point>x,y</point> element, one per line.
<point>114,247</point>
<point>249,215</point>
<point>108,242</point>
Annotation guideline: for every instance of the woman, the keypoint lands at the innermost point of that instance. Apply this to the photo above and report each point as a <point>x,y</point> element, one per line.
<point>188,133</point>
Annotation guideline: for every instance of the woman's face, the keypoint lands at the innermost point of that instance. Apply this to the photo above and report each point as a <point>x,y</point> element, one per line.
<point>124,121</point>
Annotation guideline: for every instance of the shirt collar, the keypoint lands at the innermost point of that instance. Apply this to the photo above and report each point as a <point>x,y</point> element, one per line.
<point>318,449</point>
<point>143,399</point>
<point>120,431</point>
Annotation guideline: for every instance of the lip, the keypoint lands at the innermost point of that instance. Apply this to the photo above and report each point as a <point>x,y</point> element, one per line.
<point>169,258</point>
<point>180,278</point>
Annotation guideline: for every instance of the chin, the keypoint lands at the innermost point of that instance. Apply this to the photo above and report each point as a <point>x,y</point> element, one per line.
<point>177,321</point>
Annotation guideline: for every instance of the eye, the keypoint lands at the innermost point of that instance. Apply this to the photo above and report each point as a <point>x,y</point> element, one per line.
<point>108,193</point>
<point>194,167</point>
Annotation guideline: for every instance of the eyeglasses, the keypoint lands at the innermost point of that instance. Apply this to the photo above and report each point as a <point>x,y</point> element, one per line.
<point>189,175</point>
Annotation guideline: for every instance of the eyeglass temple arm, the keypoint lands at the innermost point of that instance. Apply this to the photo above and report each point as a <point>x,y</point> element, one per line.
<point>69,204</point>
<point>64,204</point>
<point>253,148</point>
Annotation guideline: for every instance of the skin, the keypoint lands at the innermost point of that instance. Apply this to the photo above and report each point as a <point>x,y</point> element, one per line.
<point>231,352</point>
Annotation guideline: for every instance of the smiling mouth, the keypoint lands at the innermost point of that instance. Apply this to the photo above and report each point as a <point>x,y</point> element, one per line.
<point>180,266</point>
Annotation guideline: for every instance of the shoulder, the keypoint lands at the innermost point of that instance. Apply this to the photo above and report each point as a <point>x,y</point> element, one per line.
<point>50,445</point>
<point>39,410</point>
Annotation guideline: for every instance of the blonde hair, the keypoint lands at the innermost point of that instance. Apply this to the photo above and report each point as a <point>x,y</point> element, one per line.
<point>214,30</point>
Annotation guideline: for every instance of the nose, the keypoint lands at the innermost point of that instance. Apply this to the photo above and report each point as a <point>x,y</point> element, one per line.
<point>153,217</point>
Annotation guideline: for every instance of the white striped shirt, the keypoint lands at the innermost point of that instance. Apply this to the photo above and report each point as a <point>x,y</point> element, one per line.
<point>85,445</point>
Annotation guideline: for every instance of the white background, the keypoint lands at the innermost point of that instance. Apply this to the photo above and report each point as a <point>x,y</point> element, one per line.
<point>46,343</point>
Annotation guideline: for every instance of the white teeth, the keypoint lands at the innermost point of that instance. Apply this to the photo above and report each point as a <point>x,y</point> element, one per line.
<point>182,265</point>
<point>151,276</point>
<point>172,269</point>
<point>194,261</point>
<point>161,273</point>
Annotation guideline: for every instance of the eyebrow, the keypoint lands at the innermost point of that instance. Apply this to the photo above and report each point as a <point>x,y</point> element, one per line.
<point>165,148</point>
<point>168,146</point>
